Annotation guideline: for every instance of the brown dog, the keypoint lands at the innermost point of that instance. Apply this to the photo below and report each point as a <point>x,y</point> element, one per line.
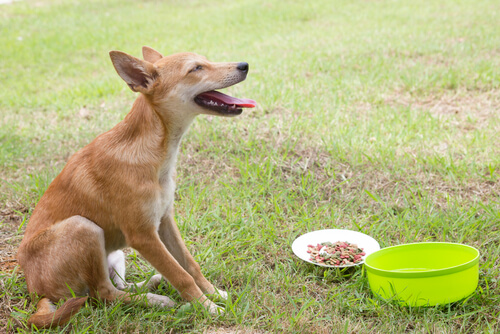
<point>119,190</point>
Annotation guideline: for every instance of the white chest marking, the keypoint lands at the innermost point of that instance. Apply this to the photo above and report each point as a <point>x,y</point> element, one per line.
<point>165,197</point>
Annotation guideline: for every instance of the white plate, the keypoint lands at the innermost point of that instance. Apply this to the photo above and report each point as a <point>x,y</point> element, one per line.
<point>299,246</point>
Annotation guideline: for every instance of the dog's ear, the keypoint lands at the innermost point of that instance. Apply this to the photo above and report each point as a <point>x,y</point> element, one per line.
<point>137,73</point>
<point>151,54</point>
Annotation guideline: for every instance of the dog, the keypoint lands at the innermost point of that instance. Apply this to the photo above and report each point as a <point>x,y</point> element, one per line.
<point>118,191</point>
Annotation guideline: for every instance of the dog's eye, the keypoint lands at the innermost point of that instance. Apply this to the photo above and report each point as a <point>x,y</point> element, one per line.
<point>196,68</point>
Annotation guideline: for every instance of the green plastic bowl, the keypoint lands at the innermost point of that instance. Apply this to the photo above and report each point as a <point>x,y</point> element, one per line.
<point>424,274</point>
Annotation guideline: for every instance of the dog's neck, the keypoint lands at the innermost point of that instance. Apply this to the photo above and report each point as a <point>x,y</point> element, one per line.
<point>150,136</point>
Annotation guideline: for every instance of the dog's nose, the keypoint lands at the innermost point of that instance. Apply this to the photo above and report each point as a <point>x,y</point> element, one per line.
<point>243,67</point>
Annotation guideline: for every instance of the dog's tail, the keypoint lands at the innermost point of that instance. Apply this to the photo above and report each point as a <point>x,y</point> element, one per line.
<point>47,316</point>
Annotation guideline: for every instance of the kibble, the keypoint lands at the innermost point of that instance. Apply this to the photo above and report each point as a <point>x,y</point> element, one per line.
<point>340,253</point>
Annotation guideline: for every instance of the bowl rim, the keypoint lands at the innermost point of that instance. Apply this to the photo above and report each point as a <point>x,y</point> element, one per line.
<point>421,274</point>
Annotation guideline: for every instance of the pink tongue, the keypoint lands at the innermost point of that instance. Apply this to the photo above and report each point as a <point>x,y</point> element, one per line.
<point>229,100</point>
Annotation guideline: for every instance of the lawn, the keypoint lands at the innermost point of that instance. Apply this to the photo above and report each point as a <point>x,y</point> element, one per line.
<point>377,116</point>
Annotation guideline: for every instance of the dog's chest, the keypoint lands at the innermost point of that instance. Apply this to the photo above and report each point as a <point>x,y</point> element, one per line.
<point>167,193</point>
<point>164,199</point>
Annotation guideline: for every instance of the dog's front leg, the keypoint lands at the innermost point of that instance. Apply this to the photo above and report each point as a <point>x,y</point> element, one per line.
<point>171,237</point>
<point>149,245</point>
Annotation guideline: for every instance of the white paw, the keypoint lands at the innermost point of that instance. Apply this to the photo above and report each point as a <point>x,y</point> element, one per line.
<point>151,284</point>
<point>162,301</point>
<point>120,285</point>
<point>154,282</point>
<point>215,309</point>
<point>221,293</point>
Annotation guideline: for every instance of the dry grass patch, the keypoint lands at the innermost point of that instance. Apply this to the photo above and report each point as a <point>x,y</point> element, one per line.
<point>12,216</point>
<point>468,110</point>
<point>337,180</point>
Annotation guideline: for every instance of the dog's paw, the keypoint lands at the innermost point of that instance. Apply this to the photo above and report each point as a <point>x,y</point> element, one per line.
<point>159,300</point>
<point>217,294</point>
<point>151,284</point>
<point>221,293</point>
<point>215,309</point>
<point>121,285</point>
<point>154,282</point>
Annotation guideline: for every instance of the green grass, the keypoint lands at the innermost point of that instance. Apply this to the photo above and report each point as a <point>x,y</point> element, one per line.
<point>376,116</point>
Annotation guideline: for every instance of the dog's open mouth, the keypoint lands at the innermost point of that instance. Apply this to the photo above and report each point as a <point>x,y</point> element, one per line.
<point>222,103</point>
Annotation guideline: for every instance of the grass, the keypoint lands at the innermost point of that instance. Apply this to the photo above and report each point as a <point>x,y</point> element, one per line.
<point>376,116</point>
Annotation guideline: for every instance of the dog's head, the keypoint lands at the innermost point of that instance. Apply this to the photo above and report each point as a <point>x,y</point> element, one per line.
<point>183,82</point>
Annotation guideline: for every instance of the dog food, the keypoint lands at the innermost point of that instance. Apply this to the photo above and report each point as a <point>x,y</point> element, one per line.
<point>339,253</point>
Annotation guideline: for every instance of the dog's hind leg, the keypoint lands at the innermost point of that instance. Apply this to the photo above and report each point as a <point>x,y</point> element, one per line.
<point>97,273</point>
<point>69,258</point>
<point>59,262</point>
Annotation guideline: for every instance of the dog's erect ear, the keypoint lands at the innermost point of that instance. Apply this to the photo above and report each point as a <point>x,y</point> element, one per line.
<point>137,73</point>
<point>151,54</point>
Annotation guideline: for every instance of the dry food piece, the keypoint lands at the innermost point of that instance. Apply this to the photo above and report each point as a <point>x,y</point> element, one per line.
<point>339,253</point>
